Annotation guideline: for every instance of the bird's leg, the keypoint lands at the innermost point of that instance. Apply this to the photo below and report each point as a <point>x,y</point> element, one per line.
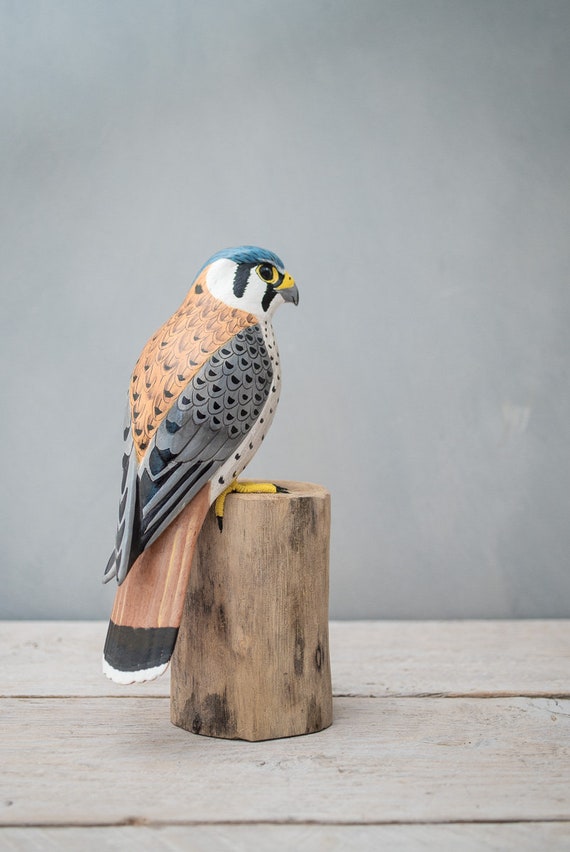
<point>244,488</point>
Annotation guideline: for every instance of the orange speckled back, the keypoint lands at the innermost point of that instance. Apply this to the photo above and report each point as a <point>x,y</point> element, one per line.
<point>175,353</point>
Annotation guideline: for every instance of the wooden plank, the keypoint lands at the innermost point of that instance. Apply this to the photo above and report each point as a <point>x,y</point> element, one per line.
<point>522,837</point>
<point>394,658</point>
<point>106,760</point>
<point>479,658</point>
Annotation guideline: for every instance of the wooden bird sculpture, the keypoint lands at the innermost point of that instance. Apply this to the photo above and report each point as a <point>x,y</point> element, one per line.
<point>201,399</point>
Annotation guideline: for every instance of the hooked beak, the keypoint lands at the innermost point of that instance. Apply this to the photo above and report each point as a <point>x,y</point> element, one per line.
<point>288,289</point>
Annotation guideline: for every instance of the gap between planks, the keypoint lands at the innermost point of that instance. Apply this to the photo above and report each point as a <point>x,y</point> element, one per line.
<point>198,823</point>
<point>478,696</point>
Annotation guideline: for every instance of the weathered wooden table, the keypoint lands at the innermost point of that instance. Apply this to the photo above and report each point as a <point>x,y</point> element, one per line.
<point>446,735</point>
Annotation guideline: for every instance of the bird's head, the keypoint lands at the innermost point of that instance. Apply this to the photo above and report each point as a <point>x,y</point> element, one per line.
<point>251,279</point>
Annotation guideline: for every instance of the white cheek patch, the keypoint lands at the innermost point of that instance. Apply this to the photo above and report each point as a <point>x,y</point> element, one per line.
<point>220,281</point>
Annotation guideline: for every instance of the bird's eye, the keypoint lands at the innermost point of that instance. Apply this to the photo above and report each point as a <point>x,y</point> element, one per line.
<point>267,273</point>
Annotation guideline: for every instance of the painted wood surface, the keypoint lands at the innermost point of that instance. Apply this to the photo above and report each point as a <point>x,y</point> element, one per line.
<point>202,396</point>
<point>252,658</point>
<point>406,772</point>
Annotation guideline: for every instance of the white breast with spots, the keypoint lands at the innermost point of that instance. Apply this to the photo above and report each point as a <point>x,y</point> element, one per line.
<point>233,467</point>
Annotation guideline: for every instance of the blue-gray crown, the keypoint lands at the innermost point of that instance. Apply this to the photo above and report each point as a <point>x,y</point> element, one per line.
<point>246,254</point>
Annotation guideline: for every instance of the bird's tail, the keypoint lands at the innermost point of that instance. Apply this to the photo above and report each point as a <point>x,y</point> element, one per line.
<point>148,605</point>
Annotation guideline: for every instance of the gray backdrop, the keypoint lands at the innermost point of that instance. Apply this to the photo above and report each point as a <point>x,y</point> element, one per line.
<point>409,160</point>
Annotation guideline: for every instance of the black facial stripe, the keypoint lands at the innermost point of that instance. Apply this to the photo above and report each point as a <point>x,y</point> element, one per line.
<point>241,278</point>
<point>268,297</point>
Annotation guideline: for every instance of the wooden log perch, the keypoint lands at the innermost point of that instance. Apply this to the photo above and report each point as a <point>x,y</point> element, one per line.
<point>252,656</point>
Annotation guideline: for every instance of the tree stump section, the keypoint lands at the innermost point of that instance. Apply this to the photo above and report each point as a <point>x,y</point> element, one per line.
<point>252,657</point>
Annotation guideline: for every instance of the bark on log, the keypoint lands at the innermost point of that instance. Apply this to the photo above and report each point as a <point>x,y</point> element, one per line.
<point>252,656</point>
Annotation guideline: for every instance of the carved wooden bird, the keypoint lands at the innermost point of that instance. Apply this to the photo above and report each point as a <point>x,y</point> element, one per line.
<point>201,399</point>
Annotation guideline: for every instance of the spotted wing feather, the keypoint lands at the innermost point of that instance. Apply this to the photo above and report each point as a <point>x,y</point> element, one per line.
<point>204,427</point>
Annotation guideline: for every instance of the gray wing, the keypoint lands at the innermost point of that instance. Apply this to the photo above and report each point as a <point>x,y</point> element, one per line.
<point>127,507</point>
<point>203,429</point>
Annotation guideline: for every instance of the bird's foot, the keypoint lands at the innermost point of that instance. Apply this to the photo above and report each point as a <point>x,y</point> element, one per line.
<point>244,488</point>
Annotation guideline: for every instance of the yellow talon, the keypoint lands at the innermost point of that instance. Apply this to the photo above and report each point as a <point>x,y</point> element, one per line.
<point>243,488</point>
<point>220,503</point>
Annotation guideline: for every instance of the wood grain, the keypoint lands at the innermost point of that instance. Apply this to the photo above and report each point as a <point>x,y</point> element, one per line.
<point>252,656</point>
<point>110,760</point>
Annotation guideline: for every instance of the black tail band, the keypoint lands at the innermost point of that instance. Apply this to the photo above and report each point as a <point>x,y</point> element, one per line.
<point>132,649</point>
